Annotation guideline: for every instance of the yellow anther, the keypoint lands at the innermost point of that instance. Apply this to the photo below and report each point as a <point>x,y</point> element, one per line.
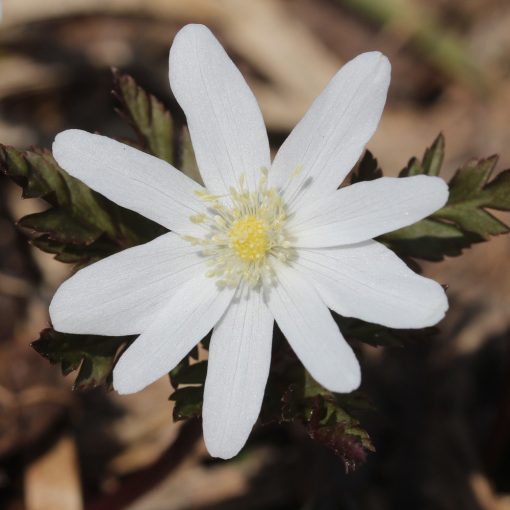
<point>205,195</point>
<point>191,239</point>
<point>198,218</point>
<point>249,238</point>
<point>297,170</point>
<point>243,235</point>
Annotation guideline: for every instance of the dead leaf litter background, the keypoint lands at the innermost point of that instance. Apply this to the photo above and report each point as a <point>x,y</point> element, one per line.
<point>442,424</point>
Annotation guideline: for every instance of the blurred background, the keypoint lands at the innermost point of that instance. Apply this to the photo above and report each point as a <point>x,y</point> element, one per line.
<point>442,424</point>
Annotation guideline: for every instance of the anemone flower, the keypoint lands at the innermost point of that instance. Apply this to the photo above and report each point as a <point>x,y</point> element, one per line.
<point>260,242</point>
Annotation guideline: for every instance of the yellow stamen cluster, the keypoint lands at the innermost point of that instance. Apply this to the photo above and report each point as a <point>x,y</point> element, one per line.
<point>249,238</point>
<point>241,238</point>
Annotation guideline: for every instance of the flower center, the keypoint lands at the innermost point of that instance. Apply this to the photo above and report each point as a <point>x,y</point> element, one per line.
<point>249,238</point>
<point>241,240</point>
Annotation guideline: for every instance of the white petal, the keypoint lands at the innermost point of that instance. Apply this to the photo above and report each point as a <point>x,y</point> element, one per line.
<point>123,293</point>
<point>130,178</point>
<point>367,209</point>
<point>330,138</point>
<point>191,313</point>
<point>239,359</point>
<point>369,282</point>
<point>311,331</point>
<point>224,120</point>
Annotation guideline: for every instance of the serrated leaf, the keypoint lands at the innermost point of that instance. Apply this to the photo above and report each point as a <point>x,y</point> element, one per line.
<point>188,399</point>
<point>464,220</point>
<point>186,373</point>
<point>471,193</point>
<point>431,162</point>
<point>434,157</point>
<point>188,161</point>
<point>328,421</point>
<point>373,334</point>
<point>188,402</point>
<point>367,169</point>
<point>93,356</point>
<point>147,115</point>
<point>293,396</point>
<point>80,226</point>
<point>59,226</point>
<point>329,424</point>
<point>429,239</point>
<point>69,253</point>
<point>154,126</point>
<point>40,177</point>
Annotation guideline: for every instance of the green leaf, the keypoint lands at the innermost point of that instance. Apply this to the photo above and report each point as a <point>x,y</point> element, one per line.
<point>328,419</point>
<point>93,356</point>
<point>80,255</point>
<point>464,220</point>
<point>80,225</point>
<point>188,162</point>
<point>188,402</point>
<point>377,335</point>
<point>429,239</point>
<point>40,177</point>
<point>332,426</point>
<point>188,399</point>
<point>472,193</point>
<point>186,373</point>
<point>431,162</point>
<point>367,169</point>
<point>156,131</point>
<point>327,409</point>
<point>293,396</point>
<point>147,115</point>
<point>60,226</point>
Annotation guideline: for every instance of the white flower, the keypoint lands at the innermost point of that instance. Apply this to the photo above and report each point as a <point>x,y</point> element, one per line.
<point>262,242</point>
